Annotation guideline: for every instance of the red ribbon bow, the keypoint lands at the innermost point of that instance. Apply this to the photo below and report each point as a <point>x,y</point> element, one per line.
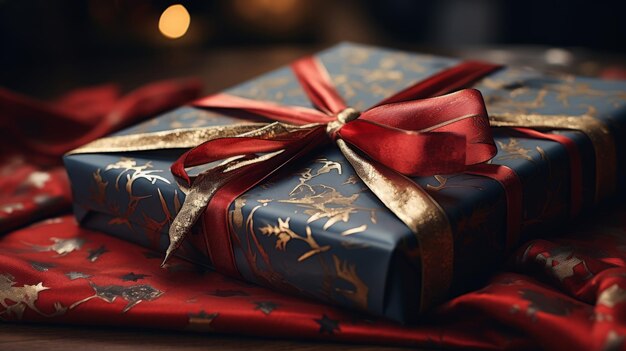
<point>416,132</point>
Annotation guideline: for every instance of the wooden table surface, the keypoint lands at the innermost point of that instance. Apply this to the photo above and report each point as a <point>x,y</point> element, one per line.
<point>48,337</point>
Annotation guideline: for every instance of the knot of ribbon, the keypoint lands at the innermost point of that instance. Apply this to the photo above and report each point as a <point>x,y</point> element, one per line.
<point>429,128</point>
<point>347,115</point>
<point>432,127</point>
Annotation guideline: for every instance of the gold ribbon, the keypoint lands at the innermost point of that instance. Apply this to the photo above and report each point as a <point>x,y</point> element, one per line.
<point>407,200</point>
<point>599,134</point>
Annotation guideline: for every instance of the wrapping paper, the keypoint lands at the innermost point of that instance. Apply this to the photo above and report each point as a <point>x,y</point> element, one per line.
<point>33,185</point>
<point>315,230</point>
<point>568,293</point>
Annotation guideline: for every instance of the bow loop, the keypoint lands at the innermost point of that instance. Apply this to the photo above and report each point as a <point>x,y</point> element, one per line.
<point>440,135</point>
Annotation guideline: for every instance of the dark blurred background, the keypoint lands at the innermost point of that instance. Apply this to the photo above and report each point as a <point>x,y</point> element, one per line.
<point>47,47</point>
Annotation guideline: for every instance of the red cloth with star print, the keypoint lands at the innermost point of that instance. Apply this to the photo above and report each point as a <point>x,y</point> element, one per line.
<point>566,293</point>
<point>35,134</point>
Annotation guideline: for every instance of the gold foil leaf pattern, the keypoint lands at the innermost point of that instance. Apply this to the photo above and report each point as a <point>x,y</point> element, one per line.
<point>354,230</point>
<point>514,150</point>
<point>154,227</point>
<point>348,273</point>
<point>351,180</point>
<point>284,234</point>
<point>98,195</point>
<point>329,204</point>
<point>322,201</point>
<point>133,173</point>
<point>237,213</point>
<point>308,174</point>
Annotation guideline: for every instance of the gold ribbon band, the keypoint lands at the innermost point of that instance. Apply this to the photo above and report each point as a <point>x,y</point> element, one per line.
<point>183,138</point>
<point>424,217</point>
<point>407,200</point>
<point>593,128</point>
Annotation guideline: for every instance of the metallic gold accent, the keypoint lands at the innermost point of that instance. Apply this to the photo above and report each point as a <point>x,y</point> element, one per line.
<point>308,174</point>
<point>23,297</point>
<point>329,203</point>
<point>424,217</point>
<point>347,272</point>
<point>236,214</point>
<point>355,230</point>
<point>98,194</point>
<point>207,183</point>
<point>346,115</point>
<point>133,173</point>
<point>284,234</point>
<point>596,131</point>
<point>169,139</point>
<point>514,150</point>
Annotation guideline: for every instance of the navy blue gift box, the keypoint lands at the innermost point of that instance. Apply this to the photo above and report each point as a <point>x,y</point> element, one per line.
<point>316,230</point>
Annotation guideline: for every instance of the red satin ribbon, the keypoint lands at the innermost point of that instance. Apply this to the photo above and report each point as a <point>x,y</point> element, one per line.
<point>435,135</point>
<point>576,167</point>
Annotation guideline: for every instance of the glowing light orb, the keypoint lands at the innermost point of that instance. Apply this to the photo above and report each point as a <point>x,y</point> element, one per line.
<point>174,21</point>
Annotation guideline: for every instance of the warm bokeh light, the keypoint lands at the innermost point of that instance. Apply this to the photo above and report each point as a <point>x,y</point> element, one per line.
<point>174,21</point>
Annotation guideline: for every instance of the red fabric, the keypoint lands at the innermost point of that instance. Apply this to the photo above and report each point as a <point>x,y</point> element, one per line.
<point>568,293</point>
<point>411,132</point>
<point>565,294</point>
<point>36,134</point>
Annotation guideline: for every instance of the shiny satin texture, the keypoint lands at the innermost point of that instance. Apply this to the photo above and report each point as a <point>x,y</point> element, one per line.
<point>443,134</point>
<point>568,293</point>
<point>35,135</point>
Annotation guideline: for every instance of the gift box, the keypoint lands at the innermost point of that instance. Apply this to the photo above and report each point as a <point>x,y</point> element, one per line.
<point>352,225</point>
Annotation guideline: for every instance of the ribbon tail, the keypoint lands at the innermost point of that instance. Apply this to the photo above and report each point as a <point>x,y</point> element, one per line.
<point>204,187</point>
<point>424,217</point>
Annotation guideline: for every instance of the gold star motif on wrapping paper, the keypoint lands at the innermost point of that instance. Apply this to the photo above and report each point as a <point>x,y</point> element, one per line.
<point>612,296</point>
